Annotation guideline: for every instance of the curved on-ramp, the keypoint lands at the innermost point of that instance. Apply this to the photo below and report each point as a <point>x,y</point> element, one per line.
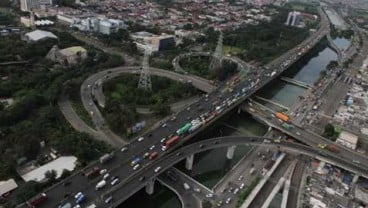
<point>131,184</point>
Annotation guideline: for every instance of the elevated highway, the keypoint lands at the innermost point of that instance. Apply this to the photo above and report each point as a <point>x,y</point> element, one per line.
<point>127,187</point>
<point>303,135</point>
<point>213,106</point>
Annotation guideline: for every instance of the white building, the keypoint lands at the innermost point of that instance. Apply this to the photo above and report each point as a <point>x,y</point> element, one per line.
<point>100,25</point>
<point>39,35</point>
<point>28,5</point>
<point>7,186</point>
<point>348,139</point>
<point>38,174</point>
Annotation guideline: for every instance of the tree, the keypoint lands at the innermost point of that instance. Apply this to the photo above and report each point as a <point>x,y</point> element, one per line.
<point>161,109</point>
<point>26,191</point>
<point>50,175</point>
<point>329,130</point>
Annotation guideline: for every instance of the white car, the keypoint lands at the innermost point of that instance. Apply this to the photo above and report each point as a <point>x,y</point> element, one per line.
<point>163,140</point>
<point>210,195</point>
<point>136,167</point>
<point>78,195</point>
<point>157,169</point>
<point>140,139</point>
<point>164,125</point>
<point>228,200</point>
<point>152,147</point>
<point>115,181</point>
<point>242,186</point>
<point>106,176</point>
<point>103,171</point>
<point>124,149</point>
<point>108,200</point>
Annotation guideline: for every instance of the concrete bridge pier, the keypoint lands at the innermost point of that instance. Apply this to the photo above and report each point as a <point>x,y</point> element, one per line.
<point>189,162</point>
<point>230,152</point>
<point>150,187</point>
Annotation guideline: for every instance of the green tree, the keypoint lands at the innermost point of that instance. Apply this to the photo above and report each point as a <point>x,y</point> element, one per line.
<point>329,130</point>
<point>50,175</point>
<point>26,191</point>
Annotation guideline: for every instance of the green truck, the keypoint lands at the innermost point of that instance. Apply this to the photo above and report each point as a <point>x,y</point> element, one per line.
<point>287,126</point>
<point>184,129</point>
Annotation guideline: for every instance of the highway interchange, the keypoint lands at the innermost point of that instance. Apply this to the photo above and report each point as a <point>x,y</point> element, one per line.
<point>119,166</point>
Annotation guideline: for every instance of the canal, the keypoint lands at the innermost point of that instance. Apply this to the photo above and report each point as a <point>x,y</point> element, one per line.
<point>210,166</point>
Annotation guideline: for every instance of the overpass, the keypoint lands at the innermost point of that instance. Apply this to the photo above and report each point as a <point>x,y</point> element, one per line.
<point>129,186</point>
<point>213,107</point>
<point>303,135</point>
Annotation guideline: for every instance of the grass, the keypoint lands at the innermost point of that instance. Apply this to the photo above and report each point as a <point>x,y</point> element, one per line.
<point>244,194</point>
<point>232,49</point>
<point>81,111</point>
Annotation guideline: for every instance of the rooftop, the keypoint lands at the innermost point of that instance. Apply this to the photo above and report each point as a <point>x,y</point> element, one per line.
<point>6,186</point>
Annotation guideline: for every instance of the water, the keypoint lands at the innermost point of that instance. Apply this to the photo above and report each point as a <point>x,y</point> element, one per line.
<point>285,93</point>
<point>210,166</point>
<point>342,43</point>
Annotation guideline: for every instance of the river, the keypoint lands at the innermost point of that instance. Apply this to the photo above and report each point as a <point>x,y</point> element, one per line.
<point>210,166</point>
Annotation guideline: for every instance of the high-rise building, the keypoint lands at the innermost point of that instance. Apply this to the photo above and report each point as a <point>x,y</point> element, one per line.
<point>28,5</point>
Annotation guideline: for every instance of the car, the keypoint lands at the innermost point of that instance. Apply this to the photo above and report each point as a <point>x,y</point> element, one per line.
<point>142,178</point>
<point>114,177</point>
<point>356,161</point>
<point>297,133</point>
<point>124,149</point>
<point>140,139</point>
<point>241,186</point>
<point>219,203</point>
<point>236,191</point>
<point>164,125</point>
<point>103,171</point>
<point>152,147</point>
<point>115,181</point>
<point>106,176</point>
<point>78,195</point>
<point>188,108</point>
<point>228,200</point>
<point>136,167</point>
<point>210,195</point>
<point>164,148</point>
<point>240,178</point>
<point>201,146</point>
<point>146,155</point>
<point>197,190</point>
<point>77,206</point>
<point>163,140</point>
<point>322,146</point>
<point>277,140</point>
<point>108,200</point>
<point>178,154</point>
<point>230,189</point>
<point>91,112</point>
<point>173,118</point>
<point>157,169</point>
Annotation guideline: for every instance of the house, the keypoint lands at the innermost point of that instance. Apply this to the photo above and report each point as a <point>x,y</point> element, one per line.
<point>6,187</point>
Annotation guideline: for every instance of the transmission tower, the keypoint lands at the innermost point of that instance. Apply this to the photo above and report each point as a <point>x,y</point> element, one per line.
<point>145,77</point>
<point>216,61</point>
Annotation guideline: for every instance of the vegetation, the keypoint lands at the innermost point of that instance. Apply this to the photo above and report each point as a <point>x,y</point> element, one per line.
<point>35,117</point>
<point>244,194</point>
<point>331,132</point>
<point>263,42</point>
<point>124,97</point>
<point>301,6</point>
<point>335,33</point>
<point>200,66</point>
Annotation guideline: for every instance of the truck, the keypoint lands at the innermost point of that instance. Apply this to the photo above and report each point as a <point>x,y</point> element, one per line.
<point>37,201</point>
<point>171,141</point>
<point>100,185</point>
<point>273,74</point>
<point>282,116</point>
<point>106,157</point>
<point>184,129</point>
<point>135,161</point>
<point>92,172</point>
<point>287,126</point>
<point>153,155</point>
<point>195,127</point>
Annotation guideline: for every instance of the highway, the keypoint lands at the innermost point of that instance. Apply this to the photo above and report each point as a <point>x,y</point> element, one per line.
<point>225,101</point>
<point>125,188</point>
<point>308,137</point>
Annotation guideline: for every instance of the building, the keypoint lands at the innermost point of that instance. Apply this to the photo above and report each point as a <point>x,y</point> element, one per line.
<point>294,19</point>
<point>28,5</point>
<point>163,42</point>
<point>39,35</point>
<point>67,56</point>
<point>348,139</point>
<point>6,187</point>
<point>93,24</point>
<point>38,173</point>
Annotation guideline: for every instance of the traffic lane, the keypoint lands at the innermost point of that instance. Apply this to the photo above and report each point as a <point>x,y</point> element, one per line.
<point>171,159</point>
<point>313,140</point>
